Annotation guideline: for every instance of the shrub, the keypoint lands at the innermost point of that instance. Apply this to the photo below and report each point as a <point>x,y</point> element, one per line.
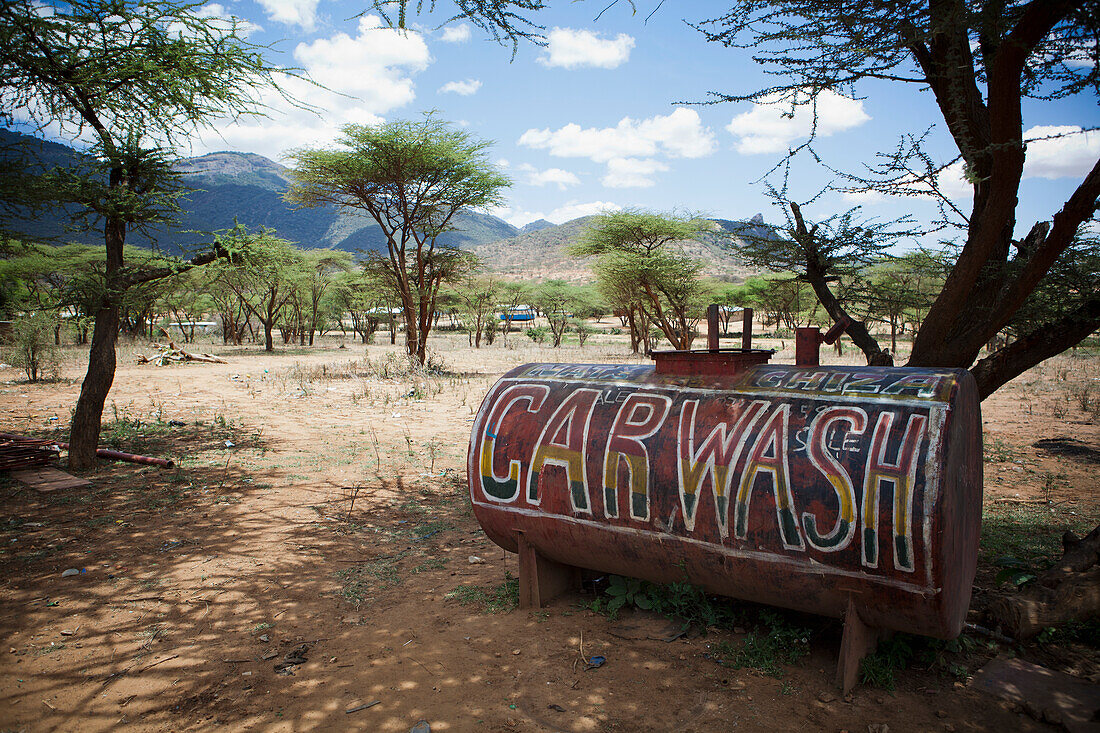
<point>32,348</point>
<point>538,334</point>
<point>583,330</point>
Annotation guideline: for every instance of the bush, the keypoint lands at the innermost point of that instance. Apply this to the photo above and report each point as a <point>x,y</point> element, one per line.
<point>583,330</point>
<point>32,348</point>
<point>538,334</point>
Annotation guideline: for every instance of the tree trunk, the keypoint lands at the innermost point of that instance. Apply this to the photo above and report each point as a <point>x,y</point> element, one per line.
<point>1069,591</point>
<point>88,414</point>
<point>269,345</point>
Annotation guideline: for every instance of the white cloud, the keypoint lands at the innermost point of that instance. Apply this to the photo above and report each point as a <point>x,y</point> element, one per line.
<point>502,163</point>
<point>366,76</point>
<point>302,13</point>
<point>952,182</point>
<point>769,126</point>
<point>571,49</point>
<point>632,144</point>
<point>245,28</point>
<point>465,88</point>
<point>631,172</point>
<point>575,209</point>
<point>456,33</point>
<point>1054,152</point>
<point>550,176</point>
<point>1068,151</point>
<point>518,217</point>
<point>680,134</point>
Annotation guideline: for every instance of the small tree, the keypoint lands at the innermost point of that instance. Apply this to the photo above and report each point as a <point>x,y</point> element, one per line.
<point>321,268</point>
<point>512,295</point>
<point>413,179</point>
<point>637,253</point>
<point>32,348</point>
<point>477,297</point>
<point>834,251</point>
<point>555,300</point>
<point>264,272</point>
<point>136,78</point>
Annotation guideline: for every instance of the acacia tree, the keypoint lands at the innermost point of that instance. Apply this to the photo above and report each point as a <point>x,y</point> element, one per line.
<point>478,298</point>
<point>413,178</point>
<point>322,268</point>
<point>264,272</point>
<point>134,78</point>
<point>980,60</point>
<point>637,253</point>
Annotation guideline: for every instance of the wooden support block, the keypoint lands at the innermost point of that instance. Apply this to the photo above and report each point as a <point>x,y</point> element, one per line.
<point>541,580</point>
<point>48,479</point>
<point>858,640</point>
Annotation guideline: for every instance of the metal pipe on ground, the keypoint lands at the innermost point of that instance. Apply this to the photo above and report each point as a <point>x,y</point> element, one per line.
<point>113,455</point>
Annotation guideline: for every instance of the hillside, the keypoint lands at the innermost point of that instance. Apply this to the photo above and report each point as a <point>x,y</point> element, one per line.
<point>249,187</point>
<point>227,186</point>
<point>543,253</point>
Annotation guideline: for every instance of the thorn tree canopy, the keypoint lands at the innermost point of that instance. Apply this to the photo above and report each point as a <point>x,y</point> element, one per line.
<point>501,19</point>
<point>413,178</point>
<point>134,79</point>
<point>637,254</point>
<point>980,59</point>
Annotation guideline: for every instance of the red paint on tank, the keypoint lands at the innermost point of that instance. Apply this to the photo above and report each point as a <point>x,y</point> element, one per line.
<point>796,487</point>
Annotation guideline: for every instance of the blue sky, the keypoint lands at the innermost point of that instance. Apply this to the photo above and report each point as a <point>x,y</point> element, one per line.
<point>590,122</point>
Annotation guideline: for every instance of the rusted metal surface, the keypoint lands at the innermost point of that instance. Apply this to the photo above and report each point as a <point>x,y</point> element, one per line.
<point>117,455</point>
<point>114,455</point>
<point>710,362</point>
<point>807,346</point>
<point>807,488</point>
<point>18,452</point>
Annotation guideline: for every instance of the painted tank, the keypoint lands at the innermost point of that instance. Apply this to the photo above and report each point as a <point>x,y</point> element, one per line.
<point>803,487</point>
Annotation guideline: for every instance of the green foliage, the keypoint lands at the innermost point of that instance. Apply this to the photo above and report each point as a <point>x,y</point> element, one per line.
<point>1086,632</point>
<point>897,652</point>
<point>582,329</point>
<point>358,582</point>
<point>139,78</point>
<point>891,656</point>
<point>33,348</point>
<point>639,266</point>
<point>1023,540</point>
<point>136,79</point>
<point>502,599</point>
<point>500,19</point>
<point>263,271</point>
<point>538,334</point>
<point>773,643</point>
<point>978,61</point>
<point>556,300</point>
<point>627,591</point>
<point>413,178</point>
<point>680,600</point>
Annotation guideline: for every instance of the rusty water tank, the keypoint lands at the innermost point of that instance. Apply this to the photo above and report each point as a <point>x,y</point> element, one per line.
<point>816,488</point>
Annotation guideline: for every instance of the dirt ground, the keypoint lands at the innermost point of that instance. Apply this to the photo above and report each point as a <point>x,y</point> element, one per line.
<point>318,524</point>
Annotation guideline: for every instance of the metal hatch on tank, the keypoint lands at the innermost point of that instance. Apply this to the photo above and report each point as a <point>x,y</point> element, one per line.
<point>851,492</point>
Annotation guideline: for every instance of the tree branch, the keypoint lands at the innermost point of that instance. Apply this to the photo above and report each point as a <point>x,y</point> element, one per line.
<point>1042,343</point>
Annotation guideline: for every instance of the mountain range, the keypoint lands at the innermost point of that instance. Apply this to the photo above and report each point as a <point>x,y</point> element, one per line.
<point>246,187</point>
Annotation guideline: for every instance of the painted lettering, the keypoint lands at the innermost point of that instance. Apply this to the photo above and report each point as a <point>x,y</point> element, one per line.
<point>640,416</point>
<point>900,476</point>
<point>768,457</point>
<point>506,488</point>
<point>562,443</point>
<point>717,456</point>
<point>822,459</point>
